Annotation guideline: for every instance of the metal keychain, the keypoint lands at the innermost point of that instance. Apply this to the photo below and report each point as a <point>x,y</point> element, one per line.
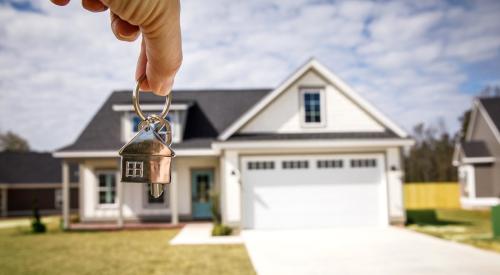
<point>147,158</point>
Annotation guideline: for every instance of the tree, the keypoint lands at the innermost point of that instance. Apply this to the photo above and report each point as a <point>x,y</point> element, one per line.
<point>464,121</point>
<point>13,143</point>
<point>431,157</point>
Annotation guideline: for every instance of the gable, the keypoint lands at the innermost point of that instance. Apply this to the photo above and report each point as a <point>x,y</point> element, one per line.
<point>482,131</point>
<point>330,81</point>
<point>285,113</point>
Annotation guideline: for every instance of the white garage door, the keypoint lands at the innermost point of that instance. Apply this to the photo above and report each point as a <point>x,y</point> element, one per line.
<point>313,191</point>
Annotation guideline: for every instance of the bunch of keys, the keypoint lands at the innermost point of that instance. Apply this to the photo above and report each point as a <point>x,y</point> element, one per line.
<point>147,158</point>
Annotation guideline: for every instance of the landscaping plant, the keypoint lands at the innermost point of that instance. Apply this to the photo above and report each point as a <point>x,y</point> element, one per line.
<point>219,229</point>
<point>37,226</point>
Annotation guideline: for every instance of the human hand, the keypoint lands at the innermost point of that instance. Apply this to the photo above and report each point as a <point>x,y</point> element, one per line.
<point>159,23</point>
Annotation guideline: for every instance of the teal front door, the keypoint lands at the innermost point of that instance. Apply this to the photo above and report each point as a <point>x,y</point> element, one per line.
<point>202,182</point>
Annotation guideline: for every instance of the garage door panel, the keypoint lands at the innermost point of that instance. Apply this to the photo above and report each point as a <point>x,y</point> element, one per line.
<point>313,197</point>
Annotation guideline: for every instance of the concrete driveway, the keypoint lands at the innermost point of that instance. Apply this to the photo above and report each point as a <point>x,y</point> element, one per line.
<point>365,251</point>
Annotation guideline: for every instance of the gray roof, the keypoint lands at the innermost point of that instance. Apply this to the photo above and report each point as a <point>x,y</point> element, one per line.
<point>301,136</point>
<point>475,149</point>
<point>492,107</point>
<point>209,113</point>
<point>29,167</point>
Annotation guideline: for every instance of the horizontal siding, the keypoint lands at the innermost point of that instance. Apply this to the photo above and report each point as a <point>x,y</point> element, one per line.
<point>431,195</point>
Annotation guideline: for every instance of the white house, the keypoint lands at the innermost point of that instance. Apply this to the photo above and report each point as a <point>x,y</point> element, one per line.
<point>309,153</point>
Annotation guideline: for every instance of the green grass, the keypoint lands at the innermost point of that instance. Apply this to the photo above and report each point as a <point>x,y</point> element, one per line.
<point>120,252</point>
<point>471,227</point>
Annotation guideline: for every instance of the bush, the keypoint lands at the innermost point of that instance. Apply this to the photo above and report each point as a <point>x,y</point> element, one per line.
<point>37,226</point>
<point>221,230</point>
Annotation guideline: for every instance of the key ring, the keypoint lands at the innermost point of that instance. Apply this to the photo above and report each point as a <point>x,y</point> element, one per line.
<point>137,107</point>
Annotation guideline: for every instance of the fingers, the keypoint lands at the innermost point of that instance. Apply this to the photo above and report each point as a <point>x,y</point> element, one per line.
<point>122,29</point>
<point>141,67</point>
<point>60,2</point>
<point>94,5</point>
<point>156,81</point>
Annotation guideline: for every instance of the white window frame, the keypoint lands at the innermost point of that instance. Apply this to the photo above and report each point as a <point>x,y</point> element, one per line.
<point>322,112</point>
<point>138,166</point>
<point>98,189</point>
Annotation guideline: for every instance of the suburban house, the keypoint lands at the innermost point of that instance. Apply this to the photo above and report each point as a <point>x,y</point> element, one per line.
<point>477,156</point>
<point>308,153</point>
<point>31,179</point>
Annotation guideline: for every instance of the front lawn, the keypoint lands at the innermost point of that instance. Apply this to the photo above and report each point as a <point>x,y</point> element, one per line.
<point>471,227</point>
<point>121,252</point>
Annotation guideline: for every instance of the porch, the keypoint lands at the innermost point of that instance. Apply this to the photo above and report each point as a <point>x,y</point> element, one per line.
<point>106,203</point>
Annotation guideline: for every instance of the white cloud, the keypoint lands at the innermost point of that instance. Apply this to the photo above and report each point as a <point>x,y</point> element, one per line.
<point>408,58</point>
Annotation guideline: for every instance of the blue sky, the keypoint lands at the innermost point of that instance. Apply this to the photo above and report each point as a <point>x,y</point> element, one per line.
<point>417,61</point>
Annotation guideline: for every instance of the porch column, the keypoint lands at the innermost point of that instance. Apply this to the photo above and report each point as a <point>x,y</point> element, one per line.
<point>174,212</point>
<point>65,194</point>
<point>119,187</point>
<point>4,201</point>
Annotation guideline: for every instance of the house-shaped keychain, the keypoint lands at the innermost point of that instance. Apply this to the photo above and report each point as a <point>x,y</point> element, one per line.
<point>147,158</point>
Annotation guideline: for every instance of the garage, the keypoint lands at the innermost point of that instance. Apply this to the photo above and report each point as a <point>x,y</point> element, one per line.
<point>313,191</point>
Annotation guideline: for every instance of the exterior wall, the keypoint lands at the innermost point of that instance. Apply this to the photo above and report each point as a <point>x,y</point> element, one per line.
<point>21,201</point>
<point>395,185</point>
<point>135,194</point>
<point>230,188</point>
<point>183,167</point>
<point>284,115</point>
<point>487,183</point>
<point>484,181</point>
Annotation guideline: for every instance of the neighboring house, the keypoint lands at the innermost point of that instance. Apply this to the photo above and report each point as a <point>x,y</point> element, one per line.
<point>309,153</point>
<point>28,179</point>
<point>478,156</point>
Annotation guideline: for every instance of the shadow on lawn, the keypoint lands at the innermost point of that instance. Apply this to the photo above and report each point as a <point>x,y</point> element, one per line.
<point>430,217</point>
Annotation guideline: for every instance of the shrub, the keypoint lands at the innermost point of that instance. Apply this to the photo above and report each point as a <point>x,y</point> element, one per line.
<point>221,230</point>
<point>37,226</point>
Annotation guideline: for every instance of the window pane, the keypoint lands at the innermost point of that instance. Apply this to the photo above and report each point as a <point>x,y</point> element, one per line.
<point>107,184</point>
<point>135,123</point>
<point>102,180</point>
<point>152,199</point>
<point>312,107</point>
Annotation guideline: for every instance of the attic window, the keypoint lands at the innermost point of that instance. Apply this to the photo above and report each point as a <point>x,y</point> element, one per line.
<point>312,107</point>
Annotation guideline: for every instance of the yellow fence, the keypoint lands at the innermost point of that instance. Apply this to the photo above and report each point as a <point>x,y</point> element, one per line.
<point>431,195</point>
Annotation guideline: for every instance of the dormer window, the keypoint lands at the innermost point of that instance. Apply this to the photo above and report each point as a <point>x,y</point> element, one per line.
<point>130,121</point>
<point>312,107</point>
<point>172,117</point>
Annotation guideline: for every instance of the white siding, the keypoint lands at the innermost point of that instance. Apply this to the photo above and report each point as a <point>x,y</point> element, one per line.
<point>230,188</point>
<point>283,114</point>
<point>183,167</point>
<point>395,185</point>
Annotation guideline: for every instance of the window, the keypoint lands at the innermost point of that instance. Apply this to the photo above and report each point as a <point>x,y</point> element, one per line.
<point>334,163</point>
<point>135,123</point>
<point>171,117</point>
<point>295,164</point>
<point>58,201</point>
<point>260,165</point>
<point>134,169</point>
<point>152,200</point>
<point>312,106</point>
<point>107,187</point>
<point>363,163</point>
